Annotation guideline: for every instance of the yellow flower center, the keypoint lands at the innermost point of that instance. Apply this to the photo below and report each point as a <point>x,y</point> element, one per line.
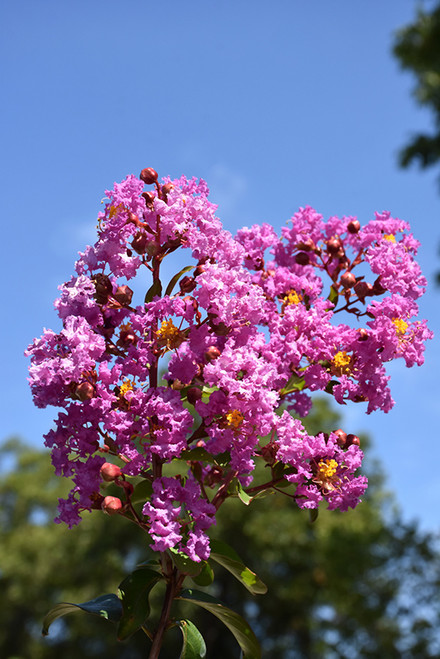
<point>341,363</point>
<point>327,469</point>
<point>292,297</point>
<point>234,418</point>
<point>326,475</point>
<point>400,325</point>
<point>390,237</point>
<point>169,335</point>
<point>115,209</point>
<point>127,385</point>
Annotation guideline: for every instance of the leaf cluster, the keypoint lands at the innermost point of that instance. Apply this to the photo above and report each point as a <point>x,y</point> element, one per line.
<point>417,47</point>
<point>361,583</point>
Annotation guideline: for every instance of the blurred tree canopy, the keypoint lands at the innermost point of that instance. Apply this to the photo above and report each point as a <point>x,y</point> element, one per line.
<point>362,583</point>
<point>417,47</point>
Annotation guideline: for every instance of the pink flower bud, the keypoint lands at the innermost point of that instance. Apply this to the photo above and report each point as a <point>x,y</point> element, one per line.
<point>187,284</point>
<point>269,453</point>
<point>362,289</point>
<point>193,395</point>
<point>302,258</point>
<point>306,245</point>
<point>127,338</point>
<point>149,197</point>
<point>139,242</point>
<point>111,505</point>
<point>167,188</point>
<point>103,287</point>
<point>85,391</point>
<point>334,245</point>
<point>212,353</point>
<point>199,270</point>
<point>353,226</point>
<point>353,439</point>
<point>109,471</point>
<point>123,295</point>
<point>348,280</point>
<point>342,437</point>
<point>378,289</point>
<point>133,218</point>
<point>148,175</point>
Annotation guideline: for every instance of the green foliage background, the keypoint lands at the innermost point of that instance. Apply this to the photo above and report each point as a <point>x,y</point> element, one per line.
<point>361,583</point>
<point>417,48</point>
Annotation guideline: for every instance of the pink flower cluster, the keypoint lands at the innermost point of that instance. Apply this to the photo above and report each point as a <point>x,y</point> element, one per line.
<point>243,335</point>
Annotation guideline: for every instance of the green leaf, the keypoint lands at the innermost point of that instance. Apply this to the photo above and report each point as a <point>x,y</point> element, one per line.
<point>185,564</point>
<point>152,563</point>
<point>225,555</point>
<point>330,386</point>
<point>314,512</point>
<point>206,576</point>
<point>333,296</point>
<point>197,454</point>
<point>206,393</point>
<point>193,644</point>
<point>294,383</point>
<point>234,622</point>
<point>155,289</point>
<point>142,491</point>
<point>105,606</point>
<point>176,278</point>
<point>135,590</point>
<point>223,459</point>
<point>243,495</point>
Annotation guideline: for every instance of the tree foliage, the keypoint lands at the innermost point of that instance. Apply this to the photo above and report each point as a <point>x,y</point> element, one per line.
<point>360,583</point>
<point>417,47</point>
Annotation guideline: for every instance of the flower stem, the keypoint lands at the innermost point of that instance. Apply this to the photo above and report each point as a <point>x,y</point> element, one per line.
<point>173,587</point>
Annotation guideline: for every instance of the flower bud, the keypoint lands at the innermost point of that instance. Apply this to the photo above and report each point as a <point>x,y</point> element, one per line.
<point>363,334</point>
<point>126,338</point>
<point>103,288</point>
<point>109,472</point>
<point>342,437</point>
<point>177,385</point>
<point>148,175</point>
<point>269,453</point>
<point>85,391</point>
<point>362,289</point>
<point>212,353</point>
<point>187,284</point>
<point>133,218</point>
<point>378,289</point>
<point>199,270</point>
<point>306,245</point>
<point>348,280</point>
<point>165,189</point>
<point>96,500</point>
<point>139,242</point>
<point>193,395</point>
<point>149,197</point>
<point>111,505</point>
<point>353,226</point>
<point>353,439</point>
<point>123,295</point>
<point>302,258</point>
<point>334,245</point>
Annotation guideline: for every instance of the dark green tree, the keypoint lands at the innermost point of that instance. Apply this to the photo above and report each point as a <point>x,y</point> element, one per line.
<point>361,583</point>
<point>417,47</point>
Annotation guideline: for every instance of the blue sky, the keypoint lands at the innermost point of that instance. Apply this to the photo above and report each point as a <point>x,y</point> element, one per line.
<point>277,105</point>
